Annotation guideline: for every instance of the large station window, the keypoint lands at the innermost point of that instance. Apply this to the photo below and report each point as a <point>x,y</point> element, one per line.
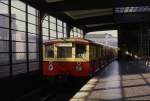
<point>64,30</point>
<point>80,50</point>
<point>64,52</point>
<point>53,28</point>
<point>4,39</point>
<point>18,38</point>
<point>76,32</point>
<point>60,28</point>
<point>49,51</point>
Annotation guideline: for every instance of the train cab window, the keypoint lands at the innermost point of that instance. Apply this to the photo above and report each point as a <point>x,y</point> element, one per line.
<point>49,51</point>
<point>64,52</point>
<point>80,50</point>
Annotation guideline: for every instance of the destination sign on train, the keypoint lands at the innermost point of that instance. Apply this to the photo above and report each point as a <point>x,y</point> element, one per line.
<point>64,44</point>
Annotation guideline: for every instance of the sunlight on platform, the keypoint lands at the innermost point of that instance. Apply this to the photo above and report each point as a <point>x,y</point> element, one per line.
<point>85,90</point>
<point>115,87</point>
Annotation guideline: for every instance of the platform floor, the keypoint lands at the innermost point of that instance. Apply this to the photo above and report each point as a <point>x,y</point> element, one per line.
<point>118,81</point>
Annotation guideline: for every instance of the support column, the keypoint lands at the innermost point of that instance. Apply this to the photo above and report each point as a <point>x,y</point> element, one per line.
<point>41,15</point>
<point>10,41</point>
<point>68,29</point>
<point>84,33</point>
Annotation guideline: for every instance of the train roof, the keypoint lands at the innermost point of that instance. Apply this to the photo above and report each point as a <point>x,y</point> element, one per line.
<point>76,40</point>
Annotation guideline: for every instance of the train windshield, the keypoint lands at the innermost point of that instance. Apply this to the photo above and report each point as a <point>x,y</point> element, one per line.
<point>80,50</point>
<point>49,51</point>
<point>64,52</point>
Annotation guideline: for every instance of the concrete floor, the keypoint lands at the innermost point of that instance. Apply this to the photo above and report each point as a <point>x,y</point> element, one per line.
<point>118,81</point>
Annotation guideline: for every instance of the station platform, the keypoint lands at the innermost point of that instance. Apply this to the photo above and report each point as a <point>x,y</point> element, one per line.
<point>118,81</point>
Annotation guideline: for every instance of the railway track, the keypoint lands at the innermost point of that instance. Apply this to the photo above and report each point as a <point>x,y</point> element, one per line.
<point>60,91</point>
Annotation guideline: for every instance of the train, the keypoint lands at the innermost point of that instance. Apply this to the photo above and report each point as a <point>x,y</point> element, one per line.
<point>75,57</point>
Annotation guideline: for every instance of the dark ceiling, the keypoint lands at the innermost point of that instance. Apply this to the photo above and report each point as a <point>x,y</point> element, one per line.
<point>93,15</point>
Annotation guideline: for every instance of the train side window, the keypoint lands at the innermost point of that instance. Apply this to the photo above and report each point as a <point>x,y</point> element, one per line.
<point>49,51</point>
<point>80,50</point>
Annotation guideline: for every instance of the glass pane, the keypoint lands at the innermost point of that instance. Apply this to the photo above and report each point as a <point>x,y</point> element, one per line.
<point>3,9</point>
<point>134,9</point>
<point>33,66</point>
<point>45,31</point>
<point>79,35</point>
<point>60,35</point>
<point>64,52</point>
<point>19,57</point>
<point>78,30</point>
<point>45,38</point>
<point>52,19</point>
<point>59,28</point>
<point>4,1</point>
<point>4,21</point>
<point>32,37</point>
<point>32,28</point>
<point>65,35</point>
<point>31,10</point>
<point>75,34</point>
<point>52,34</point>
<point>74,29</point>
<point>144,8</point>
<point>148,9</point>
<point>18,4</point>
<point>52,26</point>
<point>65,30</point>
<point>32,19</point>
<point>117,10</point>
<point>126,9</point>
<point>141,9</point>
<point>122,10</point>
<point>4,46</point>
<point>4,34</point>
<point>45,24</point>
<point>19,69</point>
<point>18,47</point>
<point>59,22</point>
<point>46,18</point>
<point>131,9</point>
<point>18,36</point>
<point>71,33</point>
<point>4,58</point>
<point>18,25</point>
<point>33,57</point>
<point>18,14</point>
<point>65,25</point>
<point>32,47</point>
<point>81,31</point>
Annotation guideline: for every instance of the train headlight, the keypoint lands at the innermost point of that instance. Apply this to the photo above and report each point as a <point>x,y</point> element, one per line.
<point>50,67</point>
<point>78,67</point>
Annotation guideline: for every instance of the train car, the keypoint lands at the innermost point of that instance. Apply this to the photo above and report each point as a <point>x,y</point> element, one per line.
<point>75,57</point>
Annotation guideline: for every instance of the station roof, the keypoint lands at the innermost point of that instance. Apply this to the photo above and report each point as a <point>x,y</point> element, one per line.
<point>94,15</point>
<point>99,36</point>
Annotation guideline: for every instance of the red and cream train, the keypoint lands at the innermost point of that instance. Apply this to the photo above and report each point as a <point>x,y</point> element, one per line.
<point>75,57</point>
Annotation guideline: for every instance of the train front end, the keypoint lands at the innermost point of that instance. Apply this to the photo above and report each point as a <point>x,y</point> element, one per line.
<point>69,57</point>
